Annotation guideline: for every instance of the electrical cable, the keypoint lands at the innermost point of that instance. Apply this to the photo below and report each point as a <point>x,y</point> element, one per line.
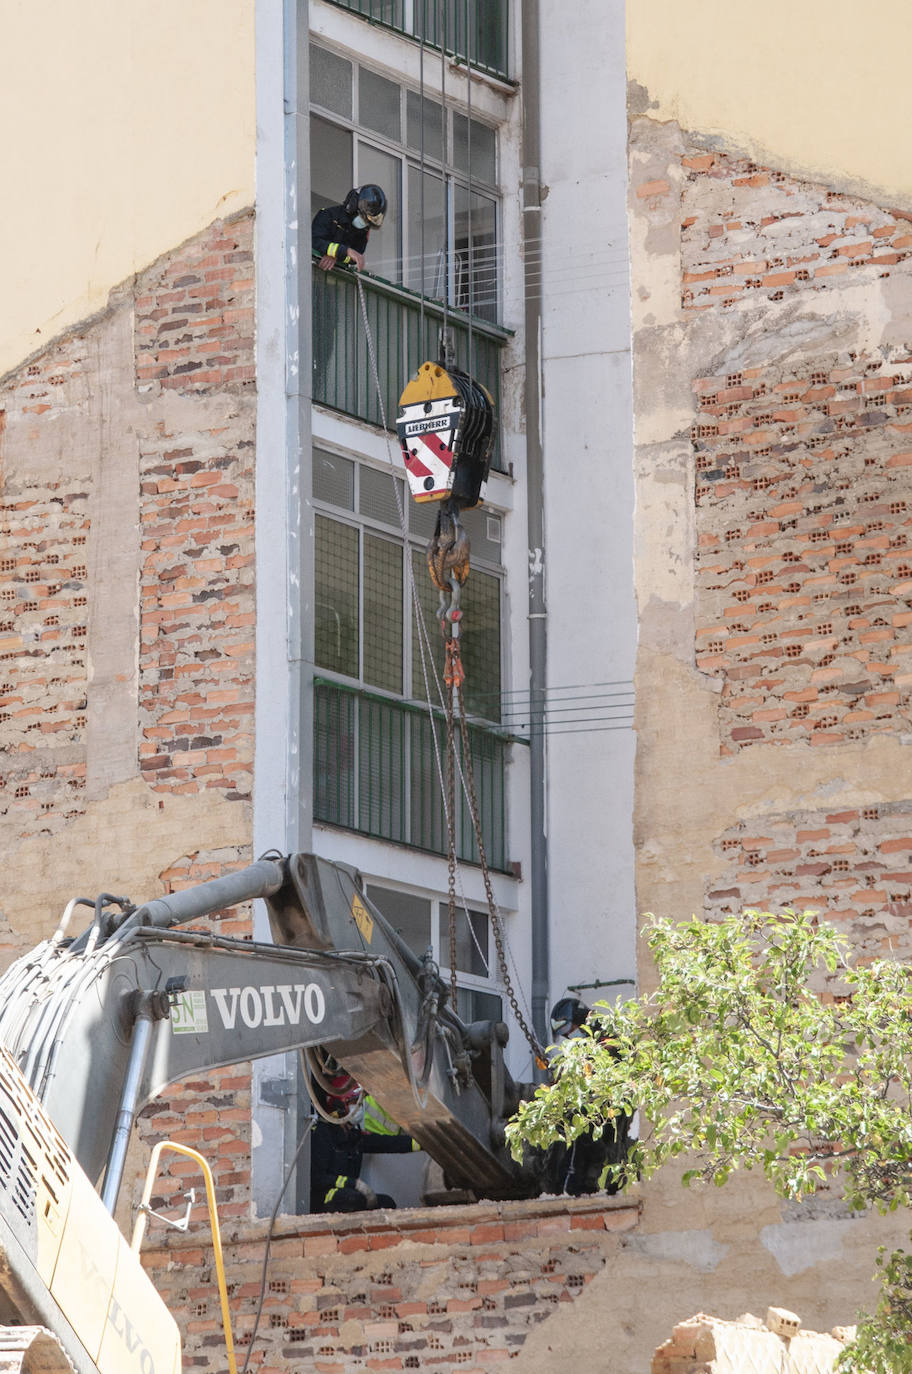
<point>272,1221</point>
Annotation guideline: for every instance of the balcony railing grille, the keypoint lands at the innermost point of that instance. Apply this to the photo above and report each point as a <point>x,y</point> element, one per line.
<point>342,375</point>
<point>375,771</point>
<point>475,29</point>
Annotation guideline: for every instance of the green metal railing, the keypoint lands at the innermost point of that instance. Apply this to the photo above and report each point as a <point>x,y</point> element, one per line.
<point>375,771</point>
<point>474,29</point>
<point>342,374</point>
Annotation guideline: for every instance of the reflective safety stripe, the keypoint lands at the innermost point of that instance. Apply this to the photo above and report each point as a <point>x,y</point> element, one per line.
<point>333,251</point>
<point>341,1181</point>
<point>376,1120</point>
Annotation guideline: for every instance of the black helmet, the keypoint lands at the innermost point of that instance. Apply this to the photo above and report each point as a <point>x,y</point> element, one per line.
<point>567,1014</point>
<point>371,204</point>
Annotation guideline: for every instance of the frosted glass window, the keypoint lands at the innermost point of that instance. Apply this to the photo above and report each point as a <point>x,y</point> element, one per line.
<point>330,164</point>
<point>330,81</point>
<point>378,104</point>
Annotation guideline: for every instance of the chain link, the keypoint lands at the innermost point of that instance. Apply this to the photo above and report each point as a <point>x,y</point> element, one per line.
<point>496,925</point>
<point>451,688</point>
<point>454,686</point>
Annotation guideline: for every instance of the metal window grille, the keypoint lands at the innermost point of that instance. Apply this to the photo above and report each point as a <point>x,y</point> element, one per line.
<point>475,29</point>
<point>342,376</point>
<point>375,772</point>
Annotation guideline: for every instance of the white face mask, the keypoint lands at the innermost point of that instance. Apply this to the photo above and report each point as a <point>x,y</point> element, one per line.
<point>359,222</point>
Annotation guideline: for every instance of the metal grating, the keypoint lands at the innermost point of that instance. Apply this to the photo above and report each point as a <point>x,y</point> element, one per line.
<point>375,771</point>
<point>473,29</point>
<point>342,375</point>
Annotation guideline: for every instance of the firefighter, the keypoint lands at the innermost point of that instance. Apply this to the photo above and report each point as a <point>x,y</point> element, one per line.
<point>339,233</point>
<point>338,1150</point>
<point>582,1166</point>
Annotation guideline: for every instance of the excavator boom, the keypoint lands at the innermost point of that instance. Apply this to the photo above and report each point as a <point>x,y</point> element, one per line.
<point>100,1025</point>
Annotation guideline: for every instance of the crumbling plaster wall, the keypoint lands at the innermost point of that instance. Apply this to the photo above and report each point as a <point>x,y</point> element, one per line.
<point>771,530</point>
<point>126,586</point>
<point>772,327</point>
<point>127,618</point>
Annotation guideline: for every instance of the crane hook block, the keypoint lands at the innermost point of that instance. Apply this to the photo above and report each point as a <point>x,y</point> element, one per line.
<point>446,430</point>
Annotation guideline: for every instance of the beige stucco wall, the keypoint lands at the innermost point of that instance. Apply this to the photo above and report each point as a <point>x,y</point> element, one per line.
<point>127,127</point>
<point>819,88</point>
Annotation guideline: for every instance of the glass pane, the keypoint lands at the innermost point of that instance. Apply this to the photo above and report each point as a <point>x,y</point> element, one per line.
<point>484,531</point>
<point>410,916</point>
<point>330,81</point>
<point>488,33</point>
<point>426,249</point>
<point>382,769</point>
<point>475,252</point>
<point>433,132</point>
<point>377,497</point>
<point>382,613</point>
<point>425,633</point>
<point>333,479</point>
<point>330,164</point>
<point>384,250</point>
<point>471,940</point>
<point>480,634</point>
<point>478,161</point>
<point>336,596</point>
<point>388,12</point>
<point>475,1005</point>
<point>334,755</point>
<point>378,105</point>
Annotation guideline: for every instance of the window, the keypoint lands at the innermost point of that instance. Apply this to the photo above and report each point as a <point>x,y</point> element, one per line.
<point>378,745</point>
<point>364,624</point>
<point>423,923</point>
<point>440,235</point>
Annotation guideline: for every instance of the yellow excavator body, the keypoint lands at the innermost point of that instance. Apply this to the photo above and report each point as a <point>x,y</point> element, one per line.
<point>53,1225</point>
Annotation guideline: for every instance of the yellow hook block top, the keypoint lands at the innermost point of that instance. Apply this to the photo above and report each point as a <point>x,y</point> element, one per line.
<point>430,415</point>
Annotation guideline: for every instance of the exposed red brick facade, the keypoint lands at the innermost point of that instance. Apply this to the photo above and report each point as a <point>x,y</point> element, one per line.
<point>45,522</point>
<point>194,313</point>
<point>804,578</point>
<point>182,368</point>
<point>749,230</point>
<point>194,336</point>
<point>853,866</point>
<point>427,1289</point>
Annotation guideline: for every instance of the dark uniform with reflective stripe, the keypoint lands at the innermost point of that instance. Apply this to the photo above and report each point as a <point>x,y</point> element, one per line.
<point>333,232</point>
<point>335,1164</point>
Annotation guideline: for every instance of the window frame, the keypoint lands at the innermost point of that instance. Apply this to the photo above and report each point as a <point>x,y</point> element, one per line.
<point>409,158</point>
<point>409,544</point>
<point>492,983</point>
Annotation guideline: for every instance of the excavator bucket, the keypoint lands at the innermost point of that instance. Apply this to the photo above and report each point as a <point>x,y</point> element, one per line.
<point>446,430</point>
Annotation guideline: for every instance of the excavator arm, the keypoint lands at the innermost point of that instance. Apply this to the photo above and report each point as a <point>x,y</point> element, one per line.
<point>101,1024</point>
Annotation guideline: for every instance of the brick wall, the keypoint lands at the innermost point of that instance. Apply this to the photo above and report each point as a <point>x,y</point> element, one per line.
<point>752,233</point>
<point>852,866</point>
<point>192,370</point>
<point>426,1289</point>
<point>137,429</point>
<point>45,522</point>
<point>804,570</point>
<point>194,337</point>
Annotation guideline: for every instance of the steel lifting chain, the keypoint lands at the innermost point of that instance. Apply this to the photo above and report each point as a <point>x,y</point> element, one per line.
<point>454,680</point>
<point>452,677</point>
<point>449,620</point>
